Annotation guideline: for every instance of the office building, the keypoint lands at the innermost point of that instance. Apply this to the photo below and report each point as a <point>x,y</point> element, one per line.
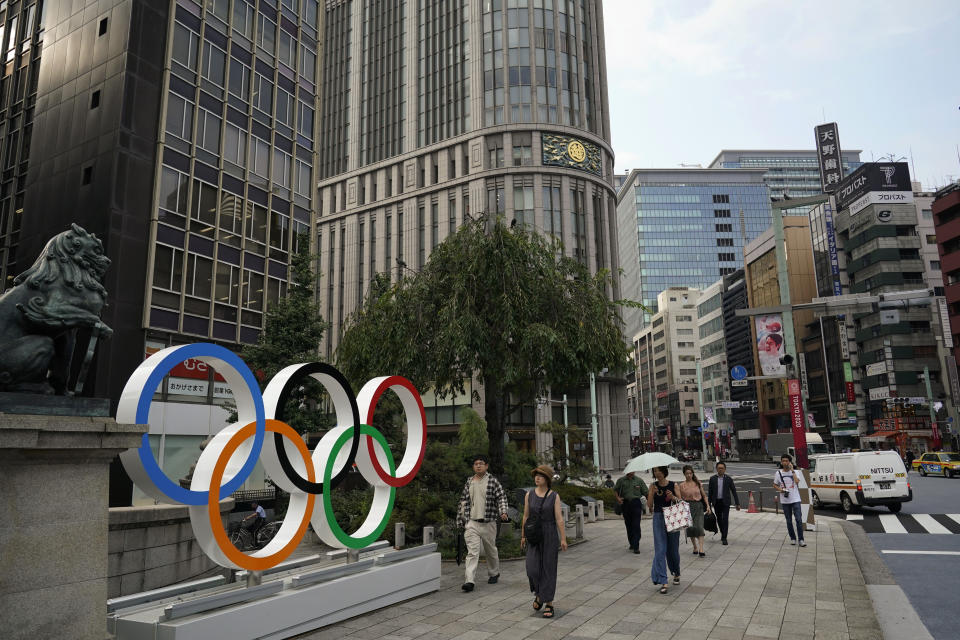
<point>883,226</point>
<point>665,359</point>
<point>184,136</point>
<point>435,113</point>
<point>685,227</point>
<point>739,344</point>
<point>946,211</point>
<point>724,341</point>
<point>763,290</point>
<point>787,172</point>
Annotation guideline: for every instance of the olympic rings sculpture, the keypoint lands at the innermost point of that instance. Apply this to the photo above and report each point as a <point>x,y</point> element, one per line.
<point>231,455</point>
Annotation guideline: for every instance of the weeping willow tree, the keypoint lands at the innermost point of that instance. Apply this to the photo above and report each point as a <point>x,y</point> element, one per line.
<point>497,304</point>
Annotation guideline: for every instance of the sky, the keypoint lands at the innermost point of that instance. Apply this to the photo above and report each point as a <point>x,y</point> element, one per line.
<point>687,78</point>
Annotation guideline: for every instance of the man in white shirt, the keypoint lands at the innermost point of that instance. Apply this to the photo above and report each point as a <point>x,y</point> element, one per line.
<point>787,482</point>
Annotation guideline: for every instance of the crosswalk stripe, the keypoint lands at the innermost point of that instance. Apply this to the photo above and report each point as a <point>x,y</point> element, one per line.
<point>891,524</point>
<point>952,525</point>
<point>953,516</point>
<point>929,523</point>
<point>854,516</point>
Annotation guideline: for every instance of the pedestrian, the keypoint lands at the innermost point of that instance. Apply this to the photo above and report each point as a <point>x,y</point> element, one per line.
<point>691,490</point>
<point>910,458</point>
<point>721,490</point>
<point>787,482</point>
<point>542,504</point>
<point>608,483</point>
<point>666,545</point>
<point>481,503</point>
<point>629,492</point>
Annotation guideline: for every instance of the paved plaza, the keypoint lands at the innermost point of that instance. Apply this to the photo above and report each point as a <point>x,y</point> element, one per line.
<point>757,587</point>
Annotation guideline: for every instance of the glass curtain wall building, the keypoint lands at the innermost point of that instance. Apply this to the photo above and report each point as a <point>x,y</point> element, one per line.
<point>788,172</point>
<point>436,112</point>
<point>685,227</point>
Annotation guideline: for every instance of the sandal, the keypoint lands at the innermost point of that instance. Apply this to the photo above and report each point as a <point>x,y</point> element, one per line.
<point>663,589</point>
<point>537,604</point>
<point>548,611</point>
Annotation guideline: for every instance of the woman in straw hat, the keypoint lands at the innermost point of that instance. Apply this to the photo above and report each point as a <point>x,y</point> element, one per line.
<point>542,503</point>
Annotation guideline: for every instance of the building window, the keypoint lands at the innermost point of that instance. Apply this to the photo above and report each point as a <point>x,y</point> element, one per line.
<point>235,145</point>
<point>208,131</point>
<point>214,63</point>
<point>186,45</point>
<point>179,117</point>
<point>239,78</point>
<point>199,276</point>
<point>168,268</point>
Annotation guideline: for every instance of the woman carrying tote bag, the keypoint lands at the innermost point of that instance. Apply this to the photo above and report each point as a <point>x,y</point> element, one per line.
<point>666,545</point>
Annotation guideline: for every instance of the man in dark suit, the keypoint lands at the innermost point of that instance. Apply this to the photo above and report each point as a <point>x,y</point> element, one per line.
<point>721,494</point>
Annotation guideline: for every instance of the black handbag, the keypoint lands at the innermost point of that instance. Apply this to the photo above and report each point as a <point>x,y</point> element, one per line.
<point>532,529</point>
<point>710,522</point>
<point>618,509</point>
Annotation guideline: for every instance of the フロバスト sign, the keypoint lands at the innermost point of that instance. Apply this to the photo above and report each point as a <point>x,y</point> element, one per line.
<point>873,176</point>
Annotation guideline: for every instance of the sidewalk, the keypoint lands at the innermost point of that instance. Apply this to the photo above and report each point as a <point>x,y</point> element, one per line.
<point>757,587</point>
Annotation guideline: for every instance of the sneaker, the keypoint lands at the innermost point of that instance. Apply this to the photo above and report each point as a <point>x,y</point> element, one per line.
<point>493,579</point>
<point>802,543</point>
<point>723,542</point>
<point>467,586</point>
<point>793,542</point>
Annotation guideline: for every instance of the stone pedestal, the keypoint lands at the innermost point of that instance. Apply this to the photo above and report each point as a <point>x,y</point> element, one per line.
<point>54,475</point>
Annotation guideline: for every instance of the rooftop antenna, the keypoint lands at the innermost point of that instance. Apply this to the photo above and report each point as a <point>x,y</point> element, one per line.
<point>824,112</point>
<point>913,168</point>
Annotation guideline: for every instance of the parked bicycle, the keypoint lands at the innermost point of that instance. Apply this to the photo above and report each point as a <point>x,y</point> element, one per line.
<point>246,540</point>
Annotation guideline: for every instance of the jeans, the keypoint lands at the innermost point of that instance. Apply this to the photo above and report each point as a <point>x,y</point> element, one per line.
<point>793,509</point>
<point>666,550</point>
<point>632,514</point>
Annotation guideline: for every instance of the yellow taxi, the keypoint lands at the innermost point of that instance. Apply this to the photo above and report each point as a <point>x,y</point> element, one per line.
<point>946,463</point>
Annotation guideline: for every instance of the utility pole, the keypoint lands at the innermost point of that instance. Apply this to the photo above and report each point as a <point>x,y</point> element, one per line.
<point>703,434</point>
<point>593,422</point>
<point>933,412</point>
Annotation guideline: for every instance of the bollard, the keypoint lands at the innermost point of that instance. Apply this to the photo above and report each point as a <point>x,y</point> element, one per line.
<point>579,510</point>
<point>353,555</point>
<point>254,578</point>
<point>428,535</point>
<point>600,513</point>
<point>591,512</point>
<point>579,529</point>
<point>565,512</point>
<point>399,536</point>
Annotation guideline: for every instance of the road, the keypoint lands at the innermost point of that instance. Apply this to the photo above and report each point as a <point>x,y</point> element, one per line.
<point>920,545</point>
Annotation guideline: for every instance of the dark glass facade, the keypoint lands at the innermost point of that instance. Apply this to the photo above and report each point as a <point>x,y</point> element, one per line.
<point>183,135</point>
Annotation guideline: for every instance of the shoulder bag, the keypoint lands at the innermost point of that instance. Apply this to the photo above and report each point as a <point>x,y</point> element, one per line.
<point>532,529</point>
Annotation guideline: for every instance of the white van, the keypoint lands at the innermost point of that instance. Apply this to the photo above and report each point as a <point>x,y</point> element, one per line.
<point>867,478</point>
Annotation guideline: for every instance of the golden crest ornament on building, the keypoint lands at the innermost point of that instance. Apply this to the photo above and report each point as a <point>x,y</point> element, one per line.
<point>564,151</point>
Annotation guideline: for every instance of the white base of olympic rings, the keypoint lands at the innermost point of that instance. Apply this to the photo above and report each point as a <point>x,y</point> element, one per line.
<point>292,611</point>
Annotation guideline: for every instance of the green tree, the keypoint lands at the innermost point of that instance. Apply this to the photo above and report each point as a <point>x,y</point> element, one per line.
<point>291,333</point>
<point>576,467</point>
<point>499,304</point>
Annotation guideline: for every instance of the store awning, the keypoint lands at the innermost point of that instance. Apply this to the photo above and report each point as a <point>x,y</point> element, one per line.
<point>881,435</point>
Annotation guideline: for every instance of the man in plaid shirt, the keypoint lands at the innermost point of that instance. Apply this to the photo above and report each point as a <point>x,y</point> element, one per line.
<point>481,503</point>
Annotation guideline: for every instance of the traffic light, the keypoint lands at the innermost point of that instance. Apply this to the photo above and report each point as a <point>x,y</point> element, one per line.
<point>752,404</point>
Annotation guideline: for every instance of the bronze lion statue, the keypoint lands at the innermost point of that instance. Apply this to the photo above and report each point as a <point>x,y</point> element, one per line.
<point>60,293</point>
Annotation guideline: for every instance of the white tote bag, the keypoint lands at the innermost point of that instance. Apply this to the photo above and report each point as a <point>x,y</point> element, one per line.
<point>677,516</point>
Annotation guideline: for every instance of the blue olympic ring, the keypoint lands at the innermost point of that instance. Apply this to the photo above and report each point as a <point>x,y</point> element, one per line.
<point>161,369</point>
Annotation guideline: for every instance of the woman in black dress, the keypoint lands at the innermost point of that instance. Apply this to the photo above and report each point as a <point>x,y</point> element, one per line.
<point>542,557</point>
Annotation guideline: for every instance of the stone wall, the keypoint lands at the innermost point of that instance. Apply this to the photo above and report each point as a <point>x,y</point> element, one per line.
<point>153,546</point>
